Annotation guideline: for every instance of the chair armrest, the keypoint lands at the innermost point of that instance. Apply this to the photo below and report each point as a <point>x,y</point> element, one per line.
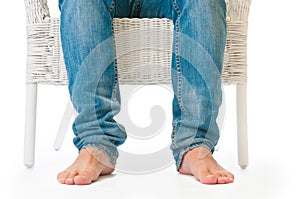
<point>37,11</point>
<point>235,58</point>
<point>238,10</point>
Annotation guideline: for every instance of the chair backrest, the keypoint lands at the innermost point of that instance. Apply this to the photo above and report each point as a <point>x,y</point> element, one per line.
<point>150,64</point>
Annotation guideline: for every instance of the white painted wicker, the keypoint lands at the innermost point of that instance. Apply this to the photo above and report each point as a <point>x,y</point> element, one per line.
<point>150,64</point>
<point>45,60</point>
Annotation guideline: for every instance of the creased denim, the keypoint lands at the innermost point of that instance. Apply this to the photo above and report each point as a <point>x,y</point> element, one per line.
<point>198,50</point>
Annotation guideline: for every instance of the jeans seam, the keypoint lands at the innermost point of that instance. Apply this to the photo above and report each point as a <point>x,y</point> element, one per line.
<point>138,6</point>
<point>177,59</point>
<point>114,95</point>
<point>173,136</point>
<point>112,5</point>
<point>179,71</point>
<point>174,143</point>
<point>177,67</point>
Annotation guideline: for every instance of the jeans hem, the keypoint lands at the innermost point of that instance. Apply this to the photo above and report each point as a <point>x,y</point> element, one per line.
<point>110,155</point>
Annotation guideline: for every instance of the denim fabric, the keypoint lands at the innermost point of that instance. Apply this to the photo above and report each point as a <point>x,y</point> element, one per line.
<point>198,50</point>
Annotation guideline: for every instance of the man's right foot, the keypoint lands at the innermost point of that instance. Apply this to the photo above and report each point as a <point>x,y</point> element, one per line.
<point>85,170</point>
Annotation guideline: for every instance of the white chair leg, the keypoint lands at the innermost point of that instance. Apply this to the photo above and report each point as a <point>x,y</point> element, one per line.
<point>242,135</point>
<point>64,125</point>
<point>30,125</point>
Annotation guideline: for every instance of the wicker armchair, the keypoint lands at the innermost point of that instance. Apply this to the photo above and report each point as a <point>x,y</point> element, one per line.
<point>45,64</point>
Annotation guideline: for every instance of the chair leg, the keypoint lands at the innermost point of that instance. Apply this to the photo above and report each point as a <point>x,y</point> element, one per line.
<point>242,135</point>
<point>30,124</point>
<point>63,128</point>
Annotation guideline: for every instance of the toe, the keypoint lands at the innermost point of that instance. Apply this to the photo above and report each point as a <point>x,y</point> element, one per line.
<point>222,180</point>
<point>229,177</point>
<point>230,180</point>
<point>69,181</point>
<point>225,180</point>
<point>82,180</point>
<point>70,178</point>
<point>224,176</point>
<point>86,177</point>
<point>208,179</point>
<point>61,177</point>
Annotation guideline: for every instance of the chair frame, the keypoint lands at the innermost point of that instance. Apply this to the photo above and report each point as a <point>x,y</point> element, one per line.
<point>41,27</point>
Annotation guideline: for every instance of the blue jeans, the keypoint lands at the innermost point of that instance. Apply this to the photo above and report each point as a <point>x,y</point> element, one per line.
<point>197,59</point>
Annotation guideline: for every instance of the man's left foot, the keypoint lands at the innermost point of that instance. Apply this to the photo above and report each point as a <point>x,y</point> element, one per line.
<point>200,163</point>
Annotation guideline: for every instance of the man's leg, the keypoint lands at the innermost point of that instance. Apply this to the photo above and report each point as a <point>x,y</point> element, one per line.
<point>198,50</point>
<point>89,53</point>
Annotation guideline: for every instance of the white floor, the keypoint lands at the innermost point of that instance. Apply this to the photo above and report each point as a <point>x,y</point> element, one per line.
<point>269,175</point>
<point>273,105</point>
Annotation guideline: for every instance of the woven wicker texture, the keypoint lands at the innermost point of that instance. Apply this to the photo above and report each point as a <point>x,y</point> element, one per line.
<point>142,58</point>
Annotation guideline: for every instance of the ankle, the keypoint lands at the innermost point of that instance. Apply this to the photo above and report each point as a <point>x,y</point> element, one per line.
<point>200,152</point>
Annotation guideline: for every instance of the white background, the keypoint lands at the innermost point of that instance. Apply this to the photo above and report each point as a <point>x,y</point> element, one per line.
<point>273,104</point>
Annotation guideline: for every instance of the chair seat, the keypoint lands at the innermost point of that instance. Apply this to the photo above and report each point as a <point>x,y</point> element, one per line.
<point>142,58</point>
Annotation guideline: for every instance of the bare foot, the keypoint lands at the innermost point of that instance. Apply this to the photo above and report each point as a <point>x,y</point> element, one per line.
<point>200,163</point>
<point>85,170</point>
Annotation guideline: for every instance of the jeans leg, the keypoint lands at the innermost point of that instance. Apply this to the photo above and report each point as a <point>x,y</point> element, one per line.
<point>89,53</point>
<point>198,51</point>
<point>154,8</point>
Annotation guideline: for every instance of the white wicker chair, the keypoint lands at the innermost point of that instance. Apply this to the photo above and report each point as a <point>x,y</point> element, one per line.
<point>45,63</point>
